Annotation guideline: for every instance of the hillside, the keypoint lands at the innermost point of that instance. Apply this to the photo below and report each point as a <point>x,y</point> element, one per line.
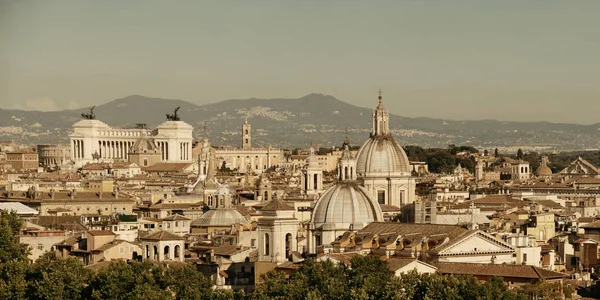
<point>315,118</point>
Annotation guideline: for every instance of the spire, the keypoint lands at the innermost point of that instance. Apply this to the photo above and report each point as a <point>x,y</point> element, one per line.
<point>380,119</point>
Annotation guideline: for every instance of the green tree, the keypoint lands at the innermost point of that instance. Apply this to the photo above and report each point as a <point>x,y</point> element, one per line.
<point>119,279</point>
<point>520,154</point>
<point>13,281</point>
<point>187,282</point>
<point>13,258</point>
<point>51,277</point>
<point>496,154</point>
<point>10,248</point>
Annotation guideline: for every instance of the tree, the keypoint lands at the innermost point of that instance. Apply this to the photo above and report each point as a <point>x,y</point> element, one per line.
<point>187,282</point>
<point>496,154</point>
<point>10,248</point>
<point>13,258</point>
<point>51,277</point>
<point>519,154</point>
<point>485,152</point>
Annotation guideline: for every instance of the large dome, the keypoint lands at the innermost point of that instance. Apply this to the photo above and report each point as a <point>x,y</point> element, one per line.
<point>543,170</point>
<point>345,205</point>
<point>220,217</point>
<point>381,154</point>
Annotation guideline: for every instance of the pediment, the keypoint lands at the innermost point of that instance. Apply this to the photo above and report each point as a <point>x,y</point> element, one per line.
<point>478,242</point>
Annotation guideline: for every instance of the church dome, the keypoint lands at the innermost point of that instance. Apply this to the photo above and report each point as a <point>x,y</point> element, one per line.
<point>543,170</point>
<point>345,205</point>
<point>381,154</point>
<point>220,217</point>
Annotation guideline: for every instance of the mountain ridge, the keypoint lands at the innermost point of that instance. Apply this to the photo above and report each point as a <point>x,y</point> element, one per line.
<point>295,122</point>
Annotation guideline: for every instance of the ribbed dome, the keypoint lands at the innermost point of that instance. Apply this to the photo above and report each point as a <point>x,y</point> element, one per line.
<point>220,217</point>
<point>543,170</point>
<point>345,205</point>
<point>381,154</point>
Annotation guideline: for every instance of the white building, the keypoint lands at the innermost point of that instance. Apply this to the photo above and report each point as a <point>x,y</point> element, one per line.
<point>382,166</point>
<point>94,138</point>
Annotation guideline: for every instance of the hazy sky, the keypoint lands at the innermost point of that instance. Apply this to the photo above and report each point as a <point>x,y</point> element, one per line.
<point>510,60</point>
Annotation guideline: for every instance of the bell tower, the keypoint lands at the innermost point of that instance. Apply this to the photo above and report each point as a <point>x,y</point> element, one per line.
<point>381,119</point>
<point>246,136</point>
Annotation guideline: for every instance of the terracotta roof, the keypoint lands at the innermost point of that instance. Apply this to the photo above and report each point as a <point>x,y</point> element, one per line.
<point>277,205</point>
<point>549,203</point>
<point>176,218</point>
<point>65,196</point>
<point>593,225</point>
<point>167,167</point>
<point>343,257</point>
<point>506,271</point>
<point>451,231</point>
<point>100,232</point>
<point>227,250</point>
<point>161,235</point>
<point>396,264</point>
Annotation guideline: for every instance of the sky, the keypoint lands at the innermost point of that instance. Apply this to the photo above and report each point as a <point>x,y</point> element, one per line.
<point>510,60</point>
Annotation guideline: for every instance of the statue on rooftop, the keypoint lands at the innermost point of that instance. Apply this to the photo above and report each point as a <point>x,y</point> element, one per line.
<point>91,115</point>
<point>173,116</point>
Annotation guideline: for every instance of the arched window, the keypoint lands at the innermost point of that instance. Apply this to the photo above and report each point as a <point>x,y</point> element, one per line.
<point>147,251</point>
<point>315,181</point>
<point>166,253</point>
<point>177,250</point>
<point>267,245</point>
<point>346,173</point>
<point>155,253</point>
<point>266,195</point>
<point>288,245</point>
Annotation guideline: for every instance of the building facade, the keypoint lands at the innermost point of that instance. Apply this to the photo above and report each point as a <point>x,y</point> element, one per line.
<point>95,140</point>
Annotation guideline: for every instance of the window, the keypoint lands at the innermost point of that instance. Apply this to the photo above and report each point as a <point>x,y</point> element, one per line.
<point>131,249</point>
<point>122,250</point>
<point>381,197</point>
<point>267,244</point>
<point>524,257</point>
<point>40,247</point>
<point>253,243</point>
<point>176,224</point>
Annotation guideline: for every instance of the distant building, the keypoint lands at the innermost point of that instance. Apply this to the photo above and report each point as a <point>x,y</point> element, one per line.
<point>95,140</point>
<point>247,158</point>
<point>53,155</point>
<point>22,160</point>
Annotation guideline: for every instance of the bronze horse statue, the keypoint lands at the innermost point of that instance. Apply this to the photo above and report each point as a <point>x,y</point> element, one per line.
<point>91,115</point>
<point>173,116</point>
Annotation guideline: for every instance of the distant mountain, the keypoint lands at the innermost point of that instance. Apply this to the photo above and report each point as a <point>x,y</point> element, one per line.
<point>315,118</point>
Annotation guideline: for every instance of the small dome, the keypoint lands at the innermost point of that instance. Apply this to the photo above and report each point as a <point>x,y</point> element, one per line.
<point>543,170</point>
<point>381,154</point>
<point>220,217</point>
<point>345,205</point>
